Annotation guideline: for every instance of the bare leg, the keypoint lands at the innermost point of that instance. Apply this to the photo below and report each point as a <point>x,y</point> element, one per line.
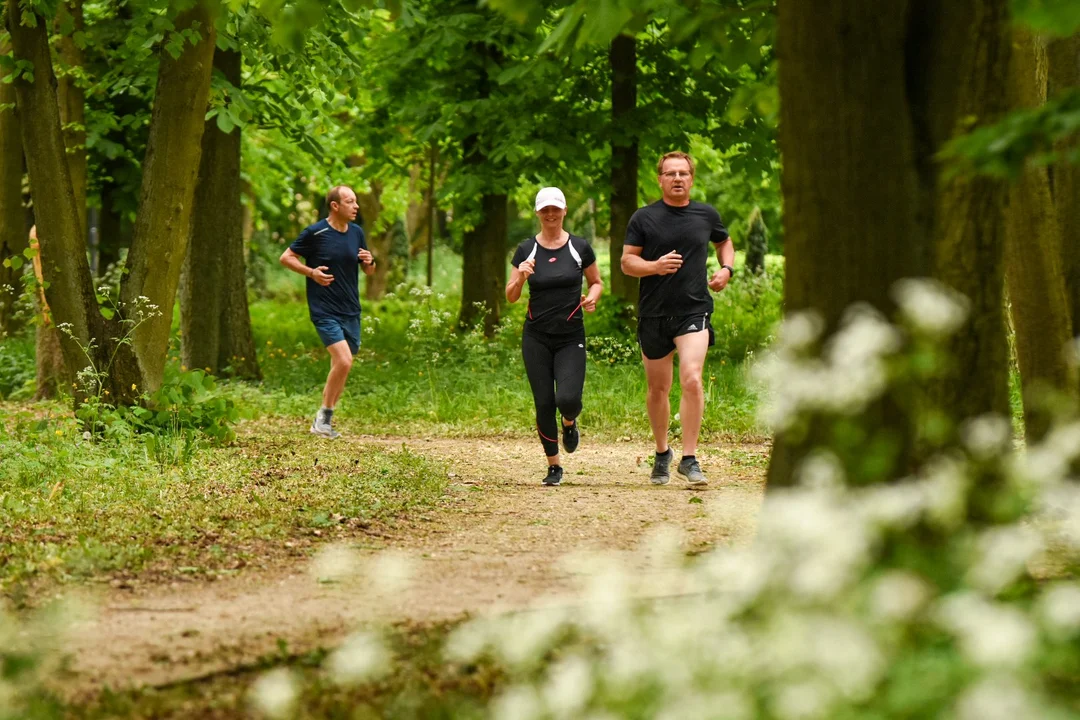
<point>692,349</point>
<point>658,379</point>
<point>341,360</point>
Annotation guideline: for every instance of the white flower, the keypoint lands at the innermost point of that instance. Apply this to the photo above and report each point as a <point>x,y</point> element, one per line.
<point>1059,609</point>
<point>849,656</point>
<point>987,436</point>
<point>990,634</point>
<point>806,700</point>
<point>998,697</point>
<point>362,657</point>
<point>334,563</point>
<point>392,572</point>
<point>800,330</point>
<point>930,306</point>
<point>821,470</point>
<point>1003,554</point>
<point>518,703</point>
<point>898,595</point>
<point>275,693</point>
<point>569,687</point>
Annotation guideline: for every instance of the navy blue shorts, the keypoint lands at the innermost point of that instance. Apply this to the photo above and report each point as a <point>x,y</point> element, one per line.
<point>335,328</point>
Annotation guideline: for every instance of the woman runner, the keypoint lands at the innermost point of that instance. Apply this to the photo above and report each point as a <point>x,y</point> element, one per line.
<point>553,339</point>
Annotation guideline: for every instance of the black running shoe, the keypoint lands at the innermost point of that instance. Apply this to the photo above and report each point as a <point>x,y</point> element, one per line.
<point>570,437</point>
<point>554,476</point>
<point>661,469</point>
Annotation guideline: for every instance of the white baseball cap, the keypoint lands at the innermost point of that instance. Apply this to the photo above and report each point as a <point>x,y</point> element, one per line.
<point>550,196</point>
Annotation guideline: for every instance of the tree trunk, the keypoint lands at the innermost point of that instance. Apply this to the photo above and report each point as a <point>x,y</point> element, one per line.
<point>70,293</point>
<point>1064,74</point>
<point>73,100</point>
<point>1033,258</point>
<point>483,271</point>
<point>378,242</point>
<point>215,326</point>
<point>171,167</point>
<point>869,94</point>
<point>12,233</point>
<point>624,160</point>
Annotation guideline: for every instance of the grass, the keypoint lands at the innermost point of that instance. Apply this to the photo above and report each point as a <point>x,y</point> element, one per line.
<point>77,510</point>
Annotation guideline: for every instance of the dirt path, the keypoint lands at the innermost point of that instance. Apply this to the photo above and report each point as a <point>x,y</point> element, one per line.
<point>495,545</point>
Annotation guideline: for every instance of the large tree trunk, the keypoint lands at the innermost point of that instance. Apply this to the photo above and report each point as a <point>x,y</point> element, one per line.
<point>483,270</point>
<point>1033,257</point>
<point>73,99</point>
<point>70,293</point>
<point>378,242</point>
<point>624,159</point>
<point>12,232</point>
<point>869,93</point>
<point>215,326</point>
<point>163,222</point>
<point>1064,74</point>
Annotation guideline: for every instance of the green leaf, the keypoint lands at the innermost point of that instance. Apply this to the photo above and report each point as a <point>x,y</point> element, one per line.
<point>14,262</point>
<point>107,313</point>
<point>30,253</point>
<point>225,123</point>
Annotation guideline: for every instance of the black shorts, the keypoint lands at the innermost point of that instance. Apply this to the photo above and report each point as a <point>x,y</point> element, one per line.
<point>656,335</point>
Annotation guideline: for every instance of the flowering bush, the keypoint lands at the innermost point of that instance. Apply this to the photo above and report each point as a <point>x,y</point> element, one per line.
<point>943,593</point>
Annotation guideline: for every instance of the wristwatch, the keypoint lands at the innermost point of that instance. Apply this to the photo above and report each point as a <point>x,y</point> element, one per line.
<point>731,271</point>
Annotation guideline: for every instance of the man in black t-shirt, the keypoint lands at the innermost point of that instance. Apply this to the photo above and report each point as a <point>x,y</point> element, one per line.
<point>667,246</point>
<point>333,250</point>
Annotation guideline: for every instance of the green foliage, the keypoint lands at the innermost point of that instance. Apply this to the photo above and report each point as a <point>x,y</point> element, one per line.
<point>1053,17</point>
<point>1023,138</point>
<point>17,367</point>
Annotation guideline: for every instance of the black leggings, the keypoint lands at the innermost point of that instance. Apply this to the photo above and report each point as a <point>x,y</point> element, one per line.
<point>555,365</point>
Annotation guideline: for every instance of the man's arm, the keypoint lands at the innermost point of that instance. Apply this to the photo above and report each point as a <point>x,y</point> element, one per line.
<point>636,266</point>
<point>725,253</point>
<point>292,261</point>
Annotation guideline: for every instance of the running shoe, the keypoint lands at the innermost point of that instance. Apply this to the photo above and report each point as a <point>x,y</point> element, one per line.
<point>554,475</point>
<point>570,437</point>
<point>322,427</point>
<point>661,469</point>
<point>689,469</point>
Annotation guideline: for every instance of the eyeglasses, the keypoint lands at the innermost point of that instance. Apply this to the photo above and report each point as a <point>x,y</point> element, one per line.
<point>677,174</point>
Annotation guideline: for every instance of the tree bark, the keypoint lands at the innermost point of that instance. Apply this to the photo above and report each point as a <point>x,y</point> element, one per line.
<point>163,223</point>
<point>12,233</point>
<point>73,101</point>
<point>70,293</point>
<point>1064,74</point>
<point>215,325</point>
<point>378,242</point>
<point>483,271</point>
<point>624,160</point>
<point>1033,257</point>
<point>869,93</point>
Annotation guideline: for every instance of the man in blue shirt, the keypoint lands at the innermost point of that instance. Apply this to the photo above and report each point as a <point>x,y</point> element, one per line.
<point>329,254</point>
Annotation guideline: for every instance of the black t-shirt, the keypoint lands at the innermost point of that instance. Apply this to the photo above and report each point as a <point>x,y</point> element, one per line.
<point>555,287</point>
<point>660,228</point>
<point>320,244</point>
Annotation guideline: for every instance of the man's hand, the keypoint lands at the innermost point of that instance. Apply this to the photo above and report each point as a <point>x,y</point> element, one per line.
<point>668,264</point>
<point>527,268</point>
<point>320,275</point>
<point>719,280</point>
<point>365,257</point>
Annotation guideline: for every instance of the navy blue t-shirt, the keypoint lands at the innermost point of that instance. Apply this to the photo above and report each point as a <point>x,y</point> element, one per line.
<point>320,244</point>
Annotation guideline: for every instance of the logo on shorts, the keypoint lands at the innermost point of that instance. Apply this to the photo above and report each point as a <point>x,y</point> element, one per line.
<point>580,345</point>
<point>692,327</point>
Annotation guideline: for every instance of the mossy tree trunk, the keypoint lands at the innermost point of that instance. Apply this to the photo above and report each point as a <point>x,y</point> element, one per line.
<point>69,20</point>
<point>170,169</point>
<point>1064,74</point>
<point>215,325</point>
<point>13,239</point>
<point>1033,255</point>
<point>624,159</point>
<point>378,241</point>
<point>70,293</point>
<point>869,93</point>
<point>483,272</point>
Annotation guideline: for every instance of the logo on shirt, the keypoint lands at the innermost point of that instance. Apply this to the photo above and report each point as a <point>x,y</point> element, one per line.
<point>552,259</point>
